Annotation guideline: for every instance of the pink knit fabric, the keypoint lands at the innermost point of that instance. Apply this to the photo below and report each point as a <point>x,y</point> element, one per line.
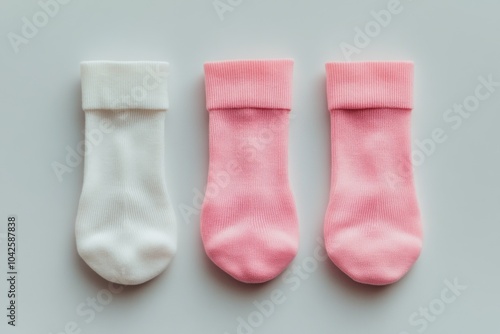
<point>249,222</point>
<point>372,226</point>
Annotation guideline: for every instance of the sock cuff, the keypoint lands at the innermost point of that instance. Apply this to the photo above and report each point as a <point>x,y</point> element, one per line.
<point>124,85</point>
<point>363,85</point>
<point>263,84</point>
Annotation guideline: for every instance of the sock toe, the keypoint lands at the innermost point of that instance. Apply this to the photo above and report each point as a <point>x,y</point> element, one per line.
<point>250,256</point>
<point>123,260</point>
<point>373,256</point>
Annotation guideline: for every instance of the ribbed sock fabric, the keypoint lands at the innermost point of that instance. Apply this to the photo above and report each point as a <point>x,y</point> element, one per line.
<point>125,226</point>
<point>372,228</point>
<point>249,223</point>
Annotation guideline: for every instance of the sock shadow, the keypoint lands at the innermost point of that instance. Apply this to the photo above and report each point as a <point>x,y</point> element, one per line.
<point>339,278</point>
<point>202,126</point>
<point>219,277</point>
<point>78,106</point>
<point>360,291</point>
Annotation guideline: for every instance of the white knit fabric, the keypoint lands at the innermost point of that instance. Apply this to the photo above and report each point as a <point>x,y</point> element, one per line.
<point>125,227</point>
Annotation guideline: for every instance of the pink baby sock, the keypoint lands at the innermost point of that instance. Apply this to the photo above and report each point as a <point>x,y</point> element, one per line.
<point>248,221</point>
<point>372,224</point>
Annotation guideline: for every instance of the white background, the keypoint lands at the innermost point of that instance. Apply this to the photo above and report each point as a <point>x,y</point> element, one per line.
<point>452,44</point>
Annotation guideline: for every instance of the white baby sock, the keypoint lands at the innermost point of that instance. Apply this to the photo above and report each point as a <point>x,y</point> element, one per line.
<point>125,227</point>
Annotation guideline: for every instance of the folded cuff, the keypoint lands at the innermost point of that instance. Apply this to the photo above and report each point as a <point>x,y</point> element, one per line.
<point>124,85</point>
<point>263,84</point>
<point>364,85</point>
